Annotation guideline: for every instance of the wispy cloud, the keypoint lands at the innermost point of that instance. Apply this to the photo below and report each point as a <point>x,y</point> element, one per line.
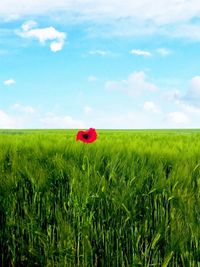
<point>188,108</point>
<point>51,120</point>
<point>26,26</point>
<point>166,11</point>
<point>163,51</point>
<point>139,52</point>
<point>88,110</point>
<point>114,17</point>
<point>187,31</point>
<point>193,93</point>
<point>189,101</point>
<point>134,85</point>
<point>99,52</point>
<point>92,78</point>
<point>56,38</point>
<point>151,106</point>
<point>172,95</point>
<point>9,122</point>
<point>23,108</point>
<point>194,88</point>
<point>22,116</point>
<point>177,117</point>
<point>9,82</point>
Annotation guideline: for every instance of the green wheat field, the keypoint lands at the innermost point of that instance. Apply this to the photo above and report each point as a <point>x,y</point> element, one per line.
<point>132,198</point>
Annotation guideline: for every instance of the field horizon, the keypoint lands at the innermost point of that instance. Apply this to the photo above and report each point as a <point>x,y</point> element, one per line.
<point>131,198</point>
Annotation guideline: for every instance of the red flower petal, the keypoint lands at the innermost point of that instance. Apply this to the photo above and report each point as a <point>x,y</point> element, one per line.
<point>87,136</point>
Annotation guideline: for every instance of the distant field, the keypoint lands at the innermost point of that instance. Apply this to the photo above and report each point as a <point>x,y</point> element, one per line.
<point>132,198</point>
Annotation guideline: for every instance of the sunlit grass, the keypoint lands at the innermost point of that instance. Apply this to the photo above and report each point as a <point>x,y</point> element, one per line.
<point>129,199</point>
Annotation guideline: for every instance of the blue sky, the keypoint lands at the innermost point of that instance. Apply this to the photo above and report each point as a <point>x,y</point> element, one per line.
<point>81,64</point>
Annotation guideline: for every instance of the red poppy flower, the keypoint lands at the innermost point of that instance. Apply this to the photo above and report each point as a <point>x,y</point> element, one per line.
<point>87,136</point>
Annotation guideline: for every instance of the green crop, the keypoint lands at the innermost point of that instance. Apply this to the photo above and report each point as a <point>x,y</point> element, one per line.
<point>132,198</point>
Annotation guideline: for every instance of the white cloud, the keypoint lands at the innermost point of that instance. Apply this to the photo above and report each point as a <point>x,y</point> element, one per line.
<point>11,17</point>
<point>56,46</point>
<point>9,82</point>
<point>119,121</point>
<point>164,51</point>
<point>177,117</point>
<point>87,110</point>
<point>26,26</point>
<point>113,85</point>
<point>151,106</point>
<point>188,108</point>
<point>191,111</point>
<point>122,28</point>
<point>24,109</point>
<point>116,17</point>
<point>5,120</point>
<point>92,78</point>
<point>172,95</point>
<point>194,87</point>
<point>189,102</point>
<point>164,12</point>
<point>137,119</point>
<point>139,52</point>
<point>189,31</point>
<point>9,122</point>
<point>51,120</point>
<point>192,95</point>
<point>26,117</point>
<point>135,84</point>
<point>43,35</point>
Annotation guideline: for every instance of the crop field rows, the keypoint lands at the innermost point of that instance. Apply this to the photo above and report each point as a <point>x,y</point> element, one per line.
<point>131,198</point>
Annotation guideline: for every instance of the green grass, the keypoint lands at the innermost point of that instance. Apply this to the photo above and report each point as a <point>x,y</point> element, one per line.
<point>132,198</point>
